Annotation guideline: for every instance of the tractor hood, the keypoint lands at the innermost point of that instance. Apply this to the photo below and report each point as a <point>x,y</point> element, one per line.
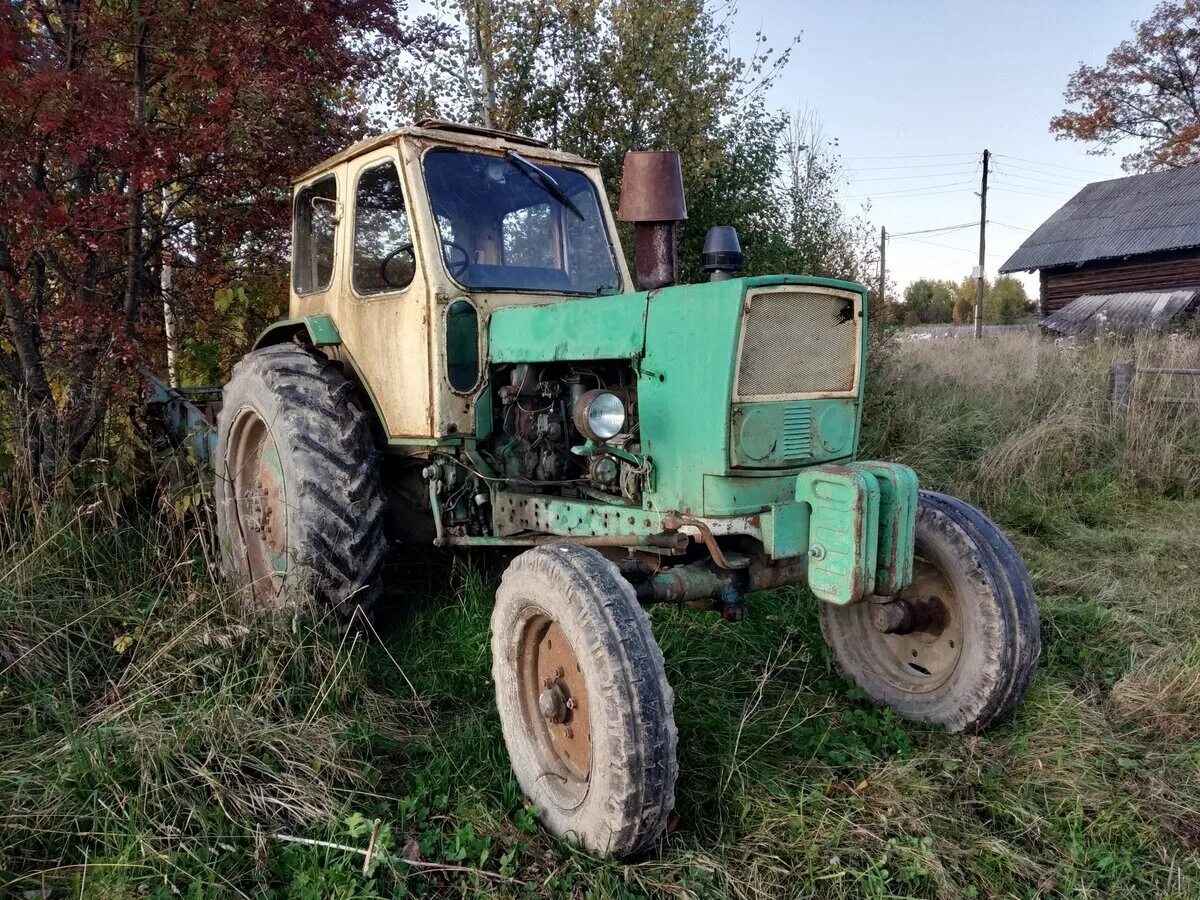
<point>713,451</point>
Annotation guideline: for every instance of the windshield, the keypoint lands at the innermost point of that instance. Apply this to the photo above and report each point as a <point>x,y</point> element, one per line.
<point>503,226</point>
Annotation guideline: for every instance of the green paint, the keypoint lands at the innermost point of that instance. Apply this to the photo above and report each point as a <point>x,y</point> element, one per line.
<point>897,524</point>
<point>557,515</point>
<point>576,329</point>
<point>784,433</point>
<point>321,331</point>
<point>843,531</point>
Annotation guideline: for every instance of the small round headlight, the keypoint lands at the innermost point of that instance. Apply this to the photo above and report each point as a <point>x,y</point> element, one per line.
<point>599,415</point>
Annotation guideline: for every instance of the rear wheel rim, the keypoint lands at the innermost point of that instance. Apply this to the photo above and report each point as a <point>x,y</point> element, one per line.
<point>260,503</point>
<point>555,709</point>
<point>924,659</point>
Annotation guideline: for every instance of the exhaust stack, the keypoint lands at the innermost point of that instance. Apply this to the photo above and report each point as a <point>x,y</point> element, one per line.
<point>652,199</point>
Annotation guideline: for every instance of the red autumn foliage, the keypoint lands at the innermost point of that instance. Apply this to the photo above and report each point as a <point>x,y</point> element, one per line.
<point>1147,92</point>
<point>106,108</point>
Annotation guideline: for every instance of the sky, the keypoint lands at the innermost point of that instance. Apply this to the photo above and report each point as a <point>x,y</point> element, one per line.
<point>915,90</point>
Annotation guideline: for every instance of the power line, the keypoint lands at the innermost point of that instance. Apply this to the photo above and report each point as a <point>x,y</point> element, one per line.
<point>1054,165</point>
<point>1061,175</point>
<point>1047,195</point>
<point>972,250</point>
<point>914,156</point>
<point>1006,225</point>
<point>944,228</point>
<point>912,177</point>
<point>926,190</point>
<point>918,166</point>
<point>1061,184</point>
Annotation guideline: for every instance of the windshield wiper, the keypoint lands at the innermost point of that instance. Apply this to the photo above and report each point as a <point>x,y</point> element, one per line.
<point>542,177</point>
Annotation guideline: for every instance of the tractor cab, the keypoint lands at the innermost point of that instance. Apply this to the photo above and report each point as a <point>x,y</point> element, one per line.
<point>408,241</point>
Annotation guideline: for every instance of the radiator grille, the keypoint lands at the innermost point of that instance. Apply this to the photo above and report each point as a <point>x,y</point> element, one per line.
<point>796,343</point>
<point>795,443</point>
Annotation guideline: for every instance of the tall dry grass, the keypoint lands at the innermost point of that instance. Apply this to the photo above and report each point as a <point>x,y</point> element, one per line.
<point>1019,420</point>
<point>146,715</point>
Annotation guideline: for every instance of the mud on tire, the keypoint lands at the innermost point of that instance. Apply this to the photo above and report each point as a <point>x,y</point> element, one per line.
<point>991,612</point>
<point>301,413</point>
<point>617,800</point>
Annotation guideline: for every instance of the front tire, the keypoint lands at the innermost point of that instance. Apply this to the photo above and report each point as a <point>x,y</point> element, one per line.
<point>299,501</point>
<point>584,702</point>
<point>959,646</point>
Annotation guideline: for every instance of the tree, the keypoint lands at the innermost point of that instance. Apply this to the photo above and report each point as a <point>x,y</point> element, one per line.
<point>965,294</point>
<point>600,77</point>
<point>1147,91</point>
<point>1005,302</point>
<point>930,301</point>
<point>133,129</point>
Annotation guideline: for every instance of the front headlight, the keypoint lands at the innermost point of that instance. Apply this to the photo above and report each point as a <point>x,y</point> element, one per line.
<point>599,415</point>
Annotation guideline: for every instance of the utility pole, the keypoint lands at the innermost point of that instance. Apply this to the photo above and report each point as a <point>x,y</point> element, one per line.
<point>882,310</point>
<point>982,236</point>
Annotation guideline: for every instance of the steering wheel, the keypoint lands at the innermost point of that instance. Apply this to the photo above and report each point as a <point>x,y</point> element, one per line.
<point>387,261</point>
<point>456,269</point>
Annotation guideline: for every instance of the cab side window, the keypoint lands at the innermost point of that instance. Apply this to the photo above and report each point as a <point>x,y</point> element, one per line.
<point>315,230</point>
<point>383,252</point>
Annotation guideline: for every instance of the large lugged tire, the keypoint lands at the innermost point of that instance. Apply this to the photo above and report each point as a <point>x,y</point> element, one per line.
<point>299,501</point>
<point>959,646</point>
<point>583,698</point>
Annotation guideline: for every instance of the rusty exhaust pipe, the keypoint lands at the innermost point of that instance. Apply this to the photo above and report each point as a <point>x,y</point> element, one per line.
<point>652,199</point>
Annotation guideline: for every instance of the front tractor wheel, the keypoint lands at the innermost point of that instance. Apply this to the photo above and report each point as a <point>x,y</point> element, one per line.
<point>584,703</point>
<point>298,495</point>
<point>959,646</point>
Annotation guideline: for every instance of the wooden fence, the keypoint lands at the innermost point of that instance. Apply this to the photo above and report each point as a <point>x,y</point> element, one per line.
<point>1128,383</point>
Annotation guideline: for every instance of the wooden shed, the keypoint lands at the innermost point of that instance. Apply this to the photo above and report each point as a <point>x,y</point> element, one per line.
<point>1127,235</point>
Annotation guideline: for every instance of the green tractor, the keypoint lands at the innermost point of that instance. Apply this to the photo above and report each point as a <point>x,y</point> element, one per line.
<point>468,363</point>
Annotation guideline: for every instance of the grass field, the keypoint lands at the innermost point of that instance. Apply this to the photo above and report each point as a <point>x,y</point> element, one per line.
<point>153,742</point>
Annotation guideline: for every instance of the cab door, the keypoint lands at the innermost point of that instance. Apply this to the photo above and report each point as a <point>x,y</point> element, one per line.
<point>382,307</point>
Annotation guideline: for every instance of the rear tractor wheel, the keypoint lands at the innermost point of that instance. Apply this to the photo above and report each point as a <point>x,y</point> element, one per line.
<point>583,698</point>
<point>959,646</point>
<point>298,495</point>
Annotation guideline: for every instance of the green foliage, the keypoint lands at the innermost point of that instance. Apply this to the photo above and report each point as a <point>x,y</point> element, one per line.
<point>601,78</point>
<point>930,301</point>
<point>1005,301</point>
<point>927,301</point>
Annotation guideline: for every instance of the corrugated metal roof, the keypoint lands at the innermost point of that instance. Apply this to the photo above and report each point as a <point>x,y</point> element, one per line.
<point>1123,217</point>
<point>1138,311</point>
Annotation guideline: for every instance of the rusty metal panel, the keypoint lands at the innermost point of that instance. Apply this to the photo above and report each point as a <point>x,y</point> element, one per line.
<point>515,513</point>
<point>1134,311</point>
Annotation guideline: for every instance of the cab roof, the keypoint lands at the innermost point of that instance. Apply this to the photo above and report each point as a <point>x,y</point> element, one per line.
<point>443,132</point>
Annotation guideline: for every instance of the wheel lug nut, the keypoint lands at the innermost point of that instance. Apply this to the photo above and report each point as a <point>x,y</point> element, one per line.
<point>567,732</point>
<point>558,673</point>
<point>571,703</point>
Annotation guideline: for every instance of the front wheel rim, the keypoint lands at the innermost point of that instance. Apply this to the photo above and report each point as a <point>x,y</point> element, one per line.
<point>555,708</point>
<point>920,658</point>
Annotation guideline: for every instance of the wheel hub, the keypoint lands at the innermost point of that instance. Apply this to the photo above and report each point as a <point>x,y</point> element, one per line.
<point>553,703</point>
<point>556,698</point>
<point>915,641</point>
